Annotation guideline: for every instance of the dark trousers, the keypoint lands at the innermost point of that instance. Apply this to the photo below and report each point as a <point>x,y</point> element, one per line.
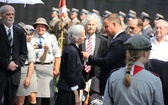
<point>45,101</point>
<point>65,98</point>
<point>8,90</point>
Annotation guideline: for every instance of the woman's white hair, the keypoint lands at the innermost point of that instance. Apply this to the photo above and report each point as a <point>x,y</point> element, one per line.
<point>97,18</point>
<point>74,32</point>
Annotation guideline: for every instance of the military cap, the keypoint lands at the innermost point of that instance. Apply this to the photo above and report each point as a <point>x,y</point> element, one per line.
<point>121,14</point>
<point>106,13</point>
<point>131,16</point>
<point>144,16</point>
<point>74,10</point>
<point>84,11</point>
<point>159,16</point>
<point>95,11</point>
<point>138,42</point>
<point>54,10</point>
<point>132,12</point>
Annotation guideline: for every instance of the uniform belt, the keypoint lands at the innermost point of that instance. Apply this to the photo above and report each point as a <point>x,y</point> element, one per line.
<point>43,63</point>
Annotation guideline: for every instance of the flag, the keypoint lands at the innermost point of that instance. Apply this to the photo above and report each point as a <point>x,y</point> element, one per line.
<point>62,8</point>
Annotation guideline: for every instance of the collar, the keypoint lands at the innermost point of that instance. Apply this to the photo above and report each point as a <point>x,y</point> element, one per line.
<point>136,68</point>
<point>74,19</point>
<point>7,28</point>
<point>118,34</point>
<point>87,36</point>
<point>154,39</point>
<point>43,36</point>
<point>146,27</point>
<point>55,17</point>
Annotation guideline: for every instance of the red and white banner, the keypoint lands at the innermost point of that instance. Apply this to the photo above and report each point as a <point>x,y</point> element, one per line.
<point>62,9</point>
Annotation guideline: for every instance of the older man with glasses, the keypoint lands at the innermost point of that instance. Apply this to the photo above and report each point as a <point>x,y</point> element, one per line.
<point>135,26</point>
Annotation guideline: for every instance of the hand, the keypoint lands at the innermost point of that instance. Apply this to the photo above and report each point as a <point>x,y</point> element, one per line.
<point>56,72</point>
<point>35,46</point>
<point>26,82</point>
<point>12,66</point>
<point>45,47</point>
<point>77,100</point>
<point>85,55</point>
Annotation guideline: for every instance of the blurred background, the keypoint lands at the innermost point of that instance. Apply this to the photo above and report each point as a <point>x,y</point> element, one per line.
<point>30,13</point>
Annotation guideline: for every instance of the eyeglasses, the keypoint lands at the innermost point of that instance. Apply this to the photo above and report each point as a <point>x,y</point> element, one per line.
<point>132,27</point>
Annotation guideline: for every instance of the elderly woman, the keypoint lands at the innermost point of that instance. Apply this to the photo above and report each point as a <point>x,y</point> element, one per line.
<point>133,84</point>
<point>71,80</point>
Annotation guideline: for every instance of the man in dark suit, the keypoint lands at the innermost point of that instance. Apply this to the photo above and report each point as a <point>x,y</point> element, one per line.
<point>12,57</point>
<point>116,53</point>
<point>93,26</point>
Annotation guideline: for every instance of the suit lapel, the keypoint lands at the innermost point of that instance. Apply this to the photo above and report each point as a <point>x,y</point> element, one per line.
<point>4,34</point>
<point>97,44</point>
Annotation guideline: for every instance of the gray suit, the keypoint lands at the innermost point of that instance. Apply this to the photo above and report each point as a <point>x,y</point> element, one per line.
<point>100,48</point>
<point>148,31</point>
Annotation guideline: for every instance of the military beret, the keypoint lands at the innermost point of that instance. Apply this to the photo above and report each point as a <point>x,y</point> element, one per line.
<point>138,42</point>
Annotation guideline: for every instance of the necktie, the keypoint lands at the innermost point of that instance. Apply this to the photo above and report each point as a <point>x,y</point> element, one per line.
<point>10,37</point>
<point>10,41</point>
<point>40,40</point>
<point>89,51</point>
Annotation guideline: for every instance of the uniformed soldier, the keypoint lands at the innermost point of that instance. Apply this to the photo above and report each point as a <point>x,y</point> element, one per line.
<point>122,16</point>
<point>147,29</point>
<point>54,21</point>
<point>83,14</point>
<point>74,17</point>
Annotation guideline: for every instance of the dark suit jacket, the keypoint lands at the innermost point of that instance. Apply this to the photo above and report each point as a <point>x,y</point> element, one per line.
<point>100,48</point>
<point>19,55</point>
<point>161,68</point>
<point>71,68</point>
<point>114,58</point>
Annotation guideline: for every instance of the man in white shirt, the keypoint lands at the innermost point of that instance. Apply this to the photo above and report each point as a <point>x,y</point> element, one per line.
<point>160,41</point>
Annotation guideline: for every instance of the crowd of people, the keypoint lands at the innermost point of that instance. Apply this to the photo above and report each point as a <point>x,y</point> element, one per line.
<point>102,60</point>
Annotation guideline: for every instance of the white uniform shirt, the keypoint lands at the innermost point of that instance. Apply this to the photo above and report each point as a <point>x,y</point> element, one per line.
<point>159,50</point>
<point>50,40</point>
